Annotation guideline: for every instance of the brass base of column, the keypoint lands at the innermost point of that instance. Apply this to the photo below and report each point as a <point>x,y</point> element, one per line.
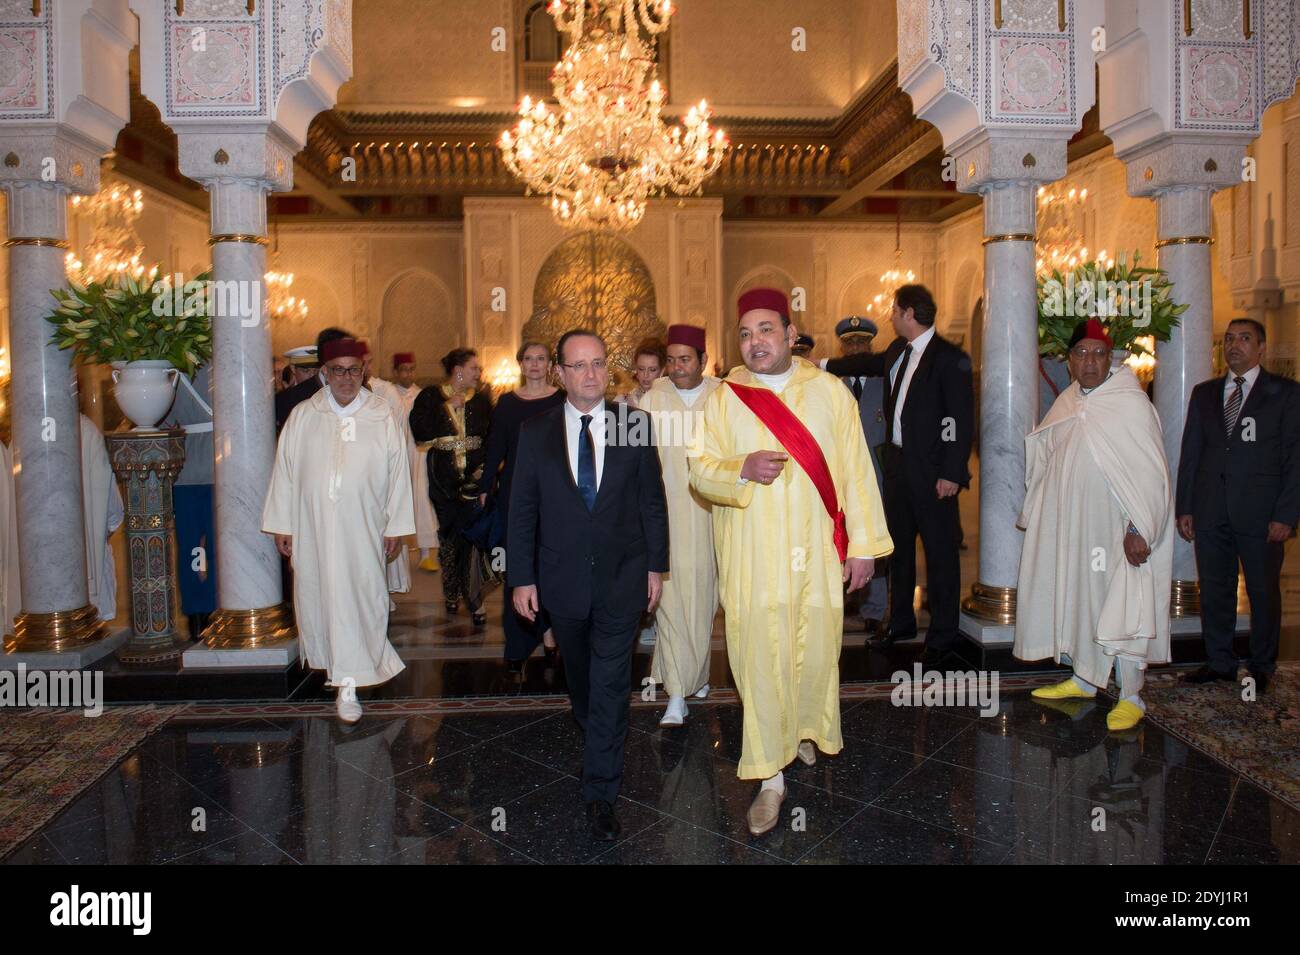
<point>56,632</point>
<point>994,604</point>
<point>1185,598</point>
<point>250,629</point>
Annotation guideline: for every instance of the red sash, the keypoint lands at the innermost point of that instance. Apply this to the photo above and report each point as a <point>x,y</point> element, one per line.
<point>802,446</point>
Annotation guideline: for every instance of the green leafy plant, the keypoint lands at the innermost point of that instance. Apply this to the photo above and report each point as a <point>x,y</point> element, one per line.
<point>116,321</point>
<point>1118,295</point>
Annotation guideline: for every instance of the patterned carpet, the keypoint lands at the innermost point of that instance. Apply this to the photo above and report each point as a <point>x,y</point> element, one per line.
<point>49,757</point>
<point>1258,738</point>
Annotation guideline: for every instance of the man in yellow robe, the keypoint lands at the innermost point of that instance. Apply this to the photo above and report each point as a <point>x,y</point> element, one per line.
<point>1098,518</point>
<point>684,619</point>
<point>339,505</point>
<point>783,562</point>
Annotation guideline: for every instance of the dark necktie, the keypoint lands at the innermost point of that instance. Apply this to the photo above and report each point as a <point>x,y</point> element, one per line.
<point>1233,407</point>
<point>894,392</point>
<point>857,387</point>
<point>587,464</point>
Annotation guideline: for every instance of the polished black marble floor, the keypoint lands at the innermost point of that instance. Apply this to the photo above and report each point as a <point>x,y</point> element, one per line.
<point>1027,785</point>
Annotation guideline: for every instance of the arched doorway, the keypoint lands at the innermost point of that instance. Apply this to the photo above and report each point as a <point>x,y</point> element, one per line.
<point>599,282</point>
<point>417,317</point>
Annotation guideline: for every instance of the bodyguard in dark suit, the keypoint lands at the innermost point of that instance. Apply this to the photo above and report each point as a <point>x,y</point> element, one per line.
<point>855,334</point>
<point>588,539</point>
<point>929,426</point>
<point>1239,499</point>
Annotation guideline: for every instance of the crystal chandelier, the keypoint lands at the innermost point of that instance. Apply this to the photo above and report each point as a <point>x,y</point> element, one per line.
<point>281,303</point>
<point>114,248</point>
<point>890,281</point>
<point>1060,231</point>
<point>603,150</point>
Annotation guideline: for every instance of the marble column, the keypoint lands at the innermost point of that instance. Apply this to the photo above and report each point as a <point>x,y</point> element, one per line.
<point>1183,249</point>
<point>56,611</point>
<point>252,612</point>
<point>1008,391</point>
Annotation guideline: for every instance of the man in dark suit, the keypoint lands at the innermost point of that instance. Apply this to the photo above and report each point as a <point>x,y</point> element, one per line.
<point>588,539</point>
<point>1239,499</point>
<point>929,426</point>
<point>856,335</point>
<point>291,397</point>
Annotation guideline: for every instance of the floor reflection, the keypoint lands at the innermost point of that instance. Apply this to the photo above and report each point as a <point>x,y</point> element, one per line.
<point>1030,784</point>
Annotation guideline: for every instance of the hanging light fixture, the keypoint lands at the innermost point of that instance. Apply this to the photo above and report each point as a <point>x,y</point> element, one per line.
<point>281,302</point>
<point>1060,230</point>
<point>894,277</point>
<point>603,151</point>
<point>114,248</point>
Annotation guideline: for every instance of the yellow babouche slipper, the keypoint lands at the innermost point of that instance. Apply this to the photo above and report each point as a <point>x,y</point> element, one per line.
<point>1065,690</point>
<point>430,564</point>
<point>1124,716</point>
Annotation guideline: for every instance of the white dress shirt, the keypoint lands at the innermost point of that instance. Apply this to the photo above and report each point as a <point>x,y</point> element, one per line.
<point>572,431</point>
<point>918,349</point>
<point>1230,385</point>
<point>348,410</point>
<point>778,381</point>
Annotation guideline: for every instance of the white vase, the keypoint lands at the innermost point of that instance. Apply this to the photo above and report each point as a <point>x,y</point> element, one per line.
<point>144,390</point>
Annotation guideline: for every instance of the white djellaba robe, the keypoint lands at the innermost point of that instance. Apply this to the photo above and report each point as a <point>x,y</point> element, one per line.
<point>689,602</point>
<point>398,571</point>
<point>10,582</point>
<point>103,513</point>
<point>342,484</point>
<point>1095,463</point>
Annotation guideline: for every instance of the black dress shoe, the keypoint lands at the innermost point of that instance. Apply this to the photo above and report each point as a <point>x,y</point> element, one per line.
<point>604,824</point>
<point>1262,678</point>
<point>515,667</point>
<point>1207,674</point>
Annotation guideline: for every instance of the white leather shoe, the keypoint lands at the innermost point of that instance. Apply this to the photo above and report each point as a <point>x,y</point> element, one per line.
<point>675,715</point>
<point>702,693</point>
<point>349,709</point>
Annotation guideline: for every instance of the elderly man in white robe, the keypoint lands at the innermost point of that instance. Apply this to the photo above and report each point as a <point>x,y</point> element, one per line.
<point>684,617</point>
<point>1098,521</point>
<point>339,505</point>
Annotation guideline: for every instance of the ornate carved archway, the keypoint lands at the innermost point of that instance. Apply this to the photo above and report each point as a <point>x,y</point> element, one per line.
<point>599,282</point>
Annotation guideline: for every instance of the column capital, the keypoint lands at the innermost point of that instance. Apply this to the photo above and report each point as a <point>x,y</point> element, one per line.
<point>49,154</point>
<point>1173,162</point>
<point>249,154</point>
<point>991,159</point>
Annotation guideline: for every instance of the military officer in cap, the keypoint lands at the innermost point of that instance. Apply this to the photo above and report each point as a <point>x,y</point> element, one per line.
<point>803,346</point>
<point>856,334</point>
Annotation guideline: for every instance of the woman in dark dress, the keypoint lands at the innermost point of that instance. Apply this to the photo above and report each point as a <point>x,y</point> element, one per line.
<point>533,396</point>
<point>455,416</point>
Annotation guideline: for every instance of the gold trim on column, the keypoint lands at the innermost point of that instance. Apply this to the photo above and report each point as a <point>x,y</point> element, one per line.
<point>1060,15</point>
<point>239,237</point>
<point>1010,237</point>
<point>1185,240</point>
<point>1245,19</point>
<point>1185,598</point>
<point>995,604</point>
<point>1187,17</point>
<point>56,632</point>
<point>250,629</point>
<point>52,243</point>
<point>997,14</point>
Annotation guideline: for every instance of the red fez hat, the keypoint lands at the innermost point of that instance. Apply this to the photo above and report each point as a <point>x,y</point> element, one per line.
<point>343,348</point>
<point>1091,329</point>
<point>404,358</point>
<point>769,298</point>
<point>689,335</point>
